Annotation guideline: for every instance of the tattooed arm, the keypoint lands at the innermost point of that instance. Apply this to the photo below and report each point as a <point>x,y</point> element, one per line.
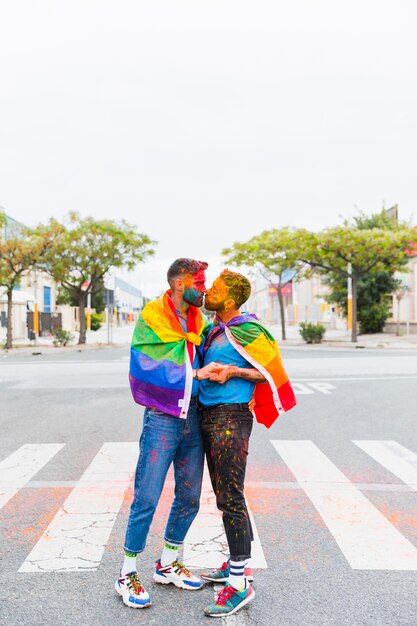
<point>226,372</point>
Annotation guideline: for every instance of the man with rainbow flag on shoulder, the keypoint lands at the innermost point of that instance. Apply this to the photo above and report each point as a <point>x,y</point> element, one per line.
<point>249,372</point>
<point>163,366</point>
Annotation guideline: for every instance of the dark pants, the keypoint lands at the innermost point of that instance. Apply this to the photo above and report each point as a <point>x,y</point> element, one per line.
<point>226,431</point>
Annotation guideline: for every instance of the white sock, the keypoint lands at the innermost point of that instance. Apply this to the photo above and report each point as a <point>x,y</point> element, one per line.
<point>237,575</point>
<point>169,554</point>
<point>129,563</point>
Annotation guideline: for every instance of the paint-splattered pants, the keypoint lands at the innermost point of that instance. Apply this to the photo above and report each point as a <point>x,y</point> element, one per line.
<point>226,432</point>
<point>166,439</point>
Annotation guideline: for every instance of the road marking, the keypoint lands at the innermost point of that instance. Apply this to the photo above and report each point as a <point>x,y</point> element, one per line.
<point>18,468</point>
<point>311,387</point>
<point>253,484</point>
<point>323,387</point>
<point>366,538</point>
<point>76,538</point>
<point>205,544</point>
<point>301,390</point>
<point>394,457</point>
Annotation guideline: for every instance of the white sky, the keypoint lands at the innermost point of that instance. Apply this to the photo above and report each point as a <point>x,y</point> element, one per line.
<point>206,122</point>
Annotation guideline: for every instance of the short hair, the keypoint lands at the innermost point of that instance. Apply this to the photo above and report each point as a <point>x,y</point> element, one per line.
<point>180,267</point>
<point>239,287</point>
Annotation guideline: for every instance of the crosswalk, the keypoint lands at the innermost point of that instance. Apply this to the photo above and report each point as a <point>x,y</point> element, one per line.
<point>77,536</point>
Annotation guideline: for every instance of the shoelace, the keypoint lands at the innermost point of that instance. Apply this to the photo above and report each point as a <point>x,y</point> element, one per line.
<point>224,566</point>
<point>224,595</point>
<point>134,582</point>
<point>181,569</point>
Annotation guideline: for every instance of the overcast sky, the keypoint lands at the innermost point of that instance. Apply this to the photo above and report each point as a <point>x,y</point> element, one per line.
<point>206,122</point>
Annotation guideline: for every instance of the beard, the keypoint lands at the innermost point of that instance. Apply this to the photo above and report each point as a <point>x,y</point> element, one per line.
<point>193,297</point>
<point>214,306</point>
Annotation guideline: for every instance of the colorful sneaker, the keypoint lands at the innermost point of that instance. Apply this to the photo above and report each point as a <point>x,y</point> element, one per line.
<point>177,574</point>
<point>132,592</point>
<point>229,600</point>
<point>221,575</point>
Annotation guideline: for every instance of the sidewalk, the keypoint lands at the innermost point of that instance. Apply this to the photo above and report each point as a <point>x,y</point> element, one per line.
<point>341,339</point>
<point>122,336</point>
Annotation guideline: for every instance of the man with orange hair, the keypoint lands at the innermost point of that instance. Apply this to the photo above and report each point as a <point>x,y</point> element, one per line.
<point>249,365</point>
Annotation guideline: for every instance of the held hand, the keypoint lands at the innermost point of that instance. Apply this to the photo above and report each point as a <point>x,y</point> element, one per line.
<point>206,371</point>
<point>222,375</point>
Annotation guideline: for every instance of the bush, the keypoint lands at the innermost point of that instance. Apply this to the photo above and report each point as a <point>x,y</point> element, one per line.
<point>62,337</point>
<point>372,318</point>
<point>96,321</point>
<point>312,333</point>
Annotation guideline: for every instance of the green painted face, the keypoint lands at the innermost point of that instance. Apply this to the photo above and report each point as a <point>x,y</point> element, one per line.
<point>194,288</point>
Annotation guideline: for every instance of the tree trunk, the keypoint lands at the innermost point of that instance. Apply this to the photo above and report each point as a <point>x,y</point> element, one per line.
<point>282,312</point>
<point>9,337</point>
<point>354,307</point>
<point>83,324</point>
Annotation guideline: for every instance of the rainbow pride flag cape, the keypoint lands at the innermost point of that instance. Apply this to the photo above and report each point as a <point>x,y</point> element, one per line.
<point>161,356</point>
<point>256,344</point>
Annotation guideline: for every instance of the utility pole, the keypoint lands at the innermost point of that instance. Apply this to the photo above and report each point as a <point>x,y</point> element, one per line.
<point>349,302</point>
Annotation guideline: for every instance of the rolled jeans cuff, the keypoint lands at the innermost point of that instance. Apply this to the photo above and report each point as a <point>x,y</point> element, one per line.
<point>173,543</point>
<point>136,552</point>
<point>240,557</point>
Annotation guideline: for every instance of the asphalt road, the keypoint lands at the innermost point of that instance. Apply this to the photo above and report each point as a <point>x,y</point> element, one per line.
<point>331,487</point>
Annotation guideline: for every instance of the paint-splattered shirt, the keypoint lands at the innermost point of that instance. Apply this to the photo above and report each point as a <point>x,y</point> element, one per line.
<point>235,390</point>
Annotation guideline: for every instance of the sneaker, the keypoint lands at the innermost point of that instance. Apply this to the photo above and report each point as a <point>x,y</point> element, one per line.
<point>132,592</point>
<point>229,600</point>
<point>221,575</point>
<point>177,574</point>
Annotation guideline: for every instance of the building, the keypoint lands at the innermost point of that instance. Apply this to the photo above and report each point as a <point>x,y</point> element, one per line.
<point>35,287</point>
<point>404,301</point>
<point>304,300</point>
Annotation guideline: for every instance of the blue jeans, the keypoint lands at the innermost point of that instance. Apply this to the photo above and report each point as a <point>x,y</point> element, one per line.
<point>166,439</point>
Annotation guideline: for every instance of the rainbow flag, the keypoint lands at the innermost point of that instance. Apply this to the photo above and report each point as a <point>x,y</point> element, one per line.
<point>256,344</point>
<point>161,356</point>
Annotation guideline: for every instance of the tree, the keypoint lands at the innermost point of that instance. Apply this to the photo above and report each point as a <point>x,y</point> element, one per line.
<point>87,250</point>
<point>22,249</point>
<point>366,252</point>
<point>375,289</point>
<point>273,253</point>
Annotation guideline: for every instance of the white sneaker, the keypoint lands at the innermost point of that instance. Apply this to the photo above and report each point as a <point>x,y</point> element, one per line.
<point>132,591</point>
<point>177,574</point>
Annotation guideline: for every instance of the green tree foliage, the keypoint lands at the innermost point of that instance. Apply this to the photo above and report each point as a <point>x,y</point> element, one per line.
<point>272,252</point>
<point>22,249</point>
<point>373,289</point>
<point>329,252</point>
<point>368,252</point>
<point>97,297</point>
<point>87,250</point>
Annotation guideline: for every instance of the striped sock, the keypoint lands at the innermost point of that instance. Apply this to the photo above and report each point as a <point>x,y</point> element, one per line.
<point>169,553</point>
<point>129,563</point>
<point>237,574</point>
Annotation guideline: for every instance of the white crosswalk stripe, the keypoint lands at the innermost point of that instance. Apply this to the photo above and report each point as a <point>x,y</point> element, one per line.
<point>76,537</point>
<point>366,538</point>
<point>206,544</point>
<point>394,457</point>
<point>18,468</point>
